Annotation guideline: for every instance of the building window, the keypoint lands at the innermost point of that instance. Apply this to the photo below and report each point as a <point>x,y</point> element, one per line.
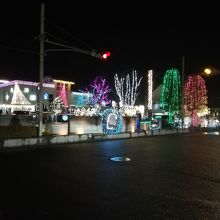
<point>50,98</point>
<point>33,97</point>
<point>26,90</point>
<point>7,97</point>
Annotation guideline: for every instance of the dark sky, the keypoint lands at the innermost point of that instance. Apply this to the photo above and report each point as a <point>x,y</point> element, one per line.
<point>136,41</point>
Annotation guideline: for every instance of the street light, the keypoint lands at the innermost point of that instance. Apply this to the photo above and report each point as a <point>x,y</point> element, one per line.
<point>211,71</point>
<point>207,71</point>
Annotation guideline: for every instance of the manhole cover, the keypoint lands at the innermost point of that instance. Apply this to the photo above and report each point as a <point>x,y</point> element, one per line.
<point>120,159</point>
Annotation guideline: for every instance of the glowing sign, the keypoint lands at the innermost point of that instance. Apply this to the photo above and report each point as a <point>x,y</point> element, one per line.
<point>46,96</point>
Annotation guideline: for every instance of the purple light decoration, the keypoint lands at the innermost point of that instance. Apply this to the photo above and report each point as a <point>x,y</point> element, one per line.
<point>100,91</point>
<point>62,93</point>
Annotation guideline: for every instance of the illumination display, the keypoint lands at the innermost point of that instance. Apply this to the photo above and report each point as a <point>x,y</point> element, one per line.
<point>57,106</point>
<point>140,109</point>
<point>99,90</point>
<point>80,99</point>
<point>127,93</point>
<point>171,93</point>
<point>150,90</point>
<point>13,108</point>
<point>111,121</point>
<point>195,99</point>
<point>20,82</point>
<point>3,81</point>
<point>18,97</point>
<point>62,93</point>
<point>62,81</point>
<point>85,112</point>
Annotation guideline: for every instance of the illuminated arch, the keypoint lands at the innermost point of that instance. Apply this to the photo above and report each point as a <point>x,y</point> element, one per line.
<point>111,121</point>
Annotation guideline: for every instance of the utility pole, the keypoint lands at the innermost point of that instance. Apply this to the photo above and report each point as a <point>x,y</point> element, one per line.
<point>182,87</point>
<point>41,71</point>
<point>63,48</point>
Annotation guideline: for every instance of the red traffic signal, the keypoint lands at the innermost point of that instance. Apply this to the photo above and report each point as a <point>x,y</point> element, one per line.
<point>106,55</point>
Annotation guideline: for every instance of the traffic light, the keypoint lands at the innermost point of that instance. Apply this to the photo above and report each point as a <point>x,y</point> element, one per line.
<point>106,55</point>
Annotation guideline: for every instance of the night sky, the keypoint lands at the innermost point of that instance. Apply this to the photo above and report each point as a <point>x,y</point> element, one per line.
<point>136,41</point>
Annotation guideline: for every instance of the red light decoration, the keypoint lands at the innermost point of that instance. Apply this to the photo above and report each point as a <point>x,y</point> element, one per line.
<point>62,93</point>
<point>195,97</point>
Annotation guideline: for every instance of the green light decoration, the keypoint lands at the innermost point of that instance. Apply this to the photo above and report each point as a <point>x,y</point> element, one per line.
<point>171,93</point>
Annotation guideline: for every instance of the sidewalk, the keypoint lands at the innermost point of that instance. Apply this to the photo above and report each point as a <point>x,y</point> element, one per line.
<point>76,138</point>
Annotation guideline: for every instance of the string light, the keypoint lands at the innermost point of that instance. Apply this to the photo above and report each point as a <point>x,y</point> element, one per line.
<point>99,90</point>
<point>150,90</point>
<point>20,82</point>
<point>111,121</point>
<point>85,112</point>
<point>127,93</point>
<point>18,96</point>
<point>195,99</point>
<point>62,93</point>
<point>171,96</point>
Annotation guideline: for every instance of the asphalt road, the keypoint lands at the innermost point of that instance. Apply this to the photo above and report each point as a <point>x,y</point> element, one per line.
<point>168,177</point>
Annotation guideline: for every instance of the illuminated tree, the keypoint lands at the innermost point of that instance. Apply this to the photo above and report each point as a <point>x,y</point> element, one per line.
<point>128,92</point>
<point>99,90</point>
<point>62,93</point>
<point>57,106</point>
<point>195,99</point>
<point>171,93</point>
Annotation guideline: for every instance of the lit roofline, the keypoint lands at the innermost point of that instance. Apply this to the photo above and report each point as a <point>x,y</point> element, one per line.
<point>62,81</point>
<point>4,81</point>
<point>28,83</point>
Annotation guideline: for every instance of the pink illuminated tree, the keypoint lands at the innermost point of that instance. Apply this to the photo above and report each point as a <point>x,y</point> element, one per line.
<point>62,94</point>
<point>99,90</point>
<point>195,97</point>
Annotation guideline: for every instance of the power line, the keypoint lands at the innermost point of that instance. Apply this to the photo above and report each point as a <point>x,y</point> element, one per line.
<point>59,39</point>
<point>18,49</point>
<point>68,33</point>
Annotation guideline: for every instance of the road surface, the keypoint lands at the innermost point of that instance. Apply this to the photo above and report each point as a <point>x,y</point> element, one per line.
<point>168,177</point>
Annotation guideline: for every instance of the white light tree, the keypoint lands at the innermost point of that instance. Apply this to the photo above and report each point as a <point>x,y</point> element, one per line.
<point>18,97</point>
<point>127,92</point>
<point>57,106</point>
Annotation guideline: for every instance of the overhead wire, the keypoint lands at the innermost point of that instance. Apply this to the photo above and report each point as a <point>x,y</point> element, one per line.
<point>68,33</point>
<point>58,39</point>
<point>18,49</point>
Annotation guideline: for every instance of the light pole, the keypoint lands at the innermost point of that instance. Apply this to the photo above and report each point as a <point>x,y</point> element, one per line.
<point>41,72</point>
<point>211,72</point>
